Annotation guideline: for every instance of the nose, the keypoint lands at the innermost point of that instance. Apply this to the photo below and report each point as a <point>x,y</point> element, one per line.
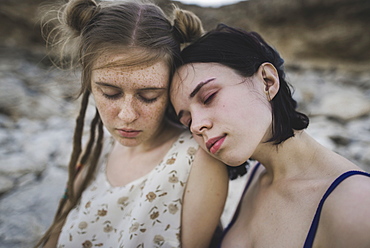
<point>128,110</point>
<point>199,125</point>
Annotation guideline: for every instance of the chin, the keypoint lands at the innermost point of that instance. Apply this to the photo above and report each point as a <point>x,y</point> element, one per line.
<point>234,164</point>
<point>231,161</point>
<point>128,142</point>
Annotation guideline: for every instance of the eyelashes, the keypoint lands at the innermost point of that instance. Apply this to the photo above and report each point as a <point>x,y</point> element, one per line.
<point>209,99</point>
<point>148,100</point>
<point>141,98</point>
<point>204,99</point>
<point>111,97</point>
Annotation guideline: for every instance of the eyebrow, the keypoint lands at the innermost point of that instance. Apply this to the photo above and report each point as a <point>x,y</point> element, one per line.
<point>106,85</point>
<point>199,86</point>
<point>152,88</point>
<point>142,89</point>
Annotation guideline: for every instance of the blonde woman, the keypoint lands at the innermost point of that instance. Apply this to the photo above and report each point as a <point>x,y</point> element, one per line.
<point>147,184</point>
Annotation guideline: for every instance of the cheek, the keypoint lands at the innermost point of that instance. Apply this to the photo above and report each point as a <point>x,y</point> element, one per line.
<point>200,142</point>
<point>252,104</point>
<point>155,111</point>
<point>103,105</point>
<point>99,103</point>
<point>107,112</point>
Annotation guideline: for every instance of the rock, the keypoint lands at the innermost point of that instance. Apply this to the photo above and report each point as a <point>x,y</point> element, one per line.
<point>345,105</point>
<point>33,145</point>
<point>22,27</point>
<point>366,159</point>
<point>320,33</point>
<point>330,93</point>
<point>324,130</point>
<point>26,94</point>
<point>19,165</point>
<point>13,97</point>
<point>5,184</point>
<point>359,129</point>
<point>26,213</point>
<point>359,146</point>
<point>5,123</point>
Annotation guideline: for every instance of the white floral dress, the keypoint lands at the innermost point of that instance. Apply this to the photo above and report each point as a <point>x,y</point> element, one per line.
<point>144,213</point>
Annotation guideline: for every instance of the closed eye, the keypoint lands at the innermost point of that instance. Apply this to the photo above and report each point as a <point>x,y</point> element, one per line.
<point>209,99</point>
<point>108,91</point>
<point>112,96</point>
<point>148,100</point>
<point>150,95</point>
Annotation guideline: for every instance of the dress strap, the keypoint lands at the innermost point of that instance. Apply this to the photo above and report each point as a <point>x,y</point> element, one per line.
<point>315,222</point>
<point>241,198</point>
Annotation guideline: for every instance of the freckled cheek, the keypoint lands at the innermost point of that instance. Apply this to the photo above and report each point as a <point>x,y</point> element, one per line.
<point>105,108</point>
<point>155,112</point>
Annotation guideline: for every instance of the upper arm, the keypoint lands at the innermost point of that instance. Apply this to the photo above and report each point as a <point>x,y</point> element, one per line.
<point>204,200</point>
<point>346,216</point>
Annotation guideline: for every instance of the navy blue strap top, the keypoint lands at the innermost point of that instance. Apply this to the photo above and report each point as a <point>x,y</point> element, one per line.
<point>238,208</point>
<point>315,222</point>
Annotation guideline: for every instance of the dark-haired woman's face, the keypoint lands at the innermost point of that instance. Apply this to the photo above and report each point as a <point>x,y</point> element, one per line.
<point>229,115</point>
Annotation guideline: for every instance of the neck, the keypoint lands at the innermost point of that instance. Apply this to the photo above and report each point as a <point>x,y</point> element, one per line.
<point>296,157</point>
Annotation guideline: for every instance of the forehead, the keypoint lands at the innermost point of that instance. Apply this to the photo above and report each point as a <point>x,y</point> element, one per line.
<point>189,75</point>
<point>117,68</point>
<point>201,70</point>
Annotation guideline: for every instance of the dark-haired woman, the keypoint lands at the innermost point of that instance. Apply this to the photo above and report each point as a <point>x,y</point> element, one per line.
<point>230,90</point>
<point>146,184</point>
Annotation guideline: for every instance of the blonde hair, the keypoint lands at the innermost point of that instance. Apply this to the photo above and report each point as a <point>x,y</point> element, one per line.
<point>84,31</point>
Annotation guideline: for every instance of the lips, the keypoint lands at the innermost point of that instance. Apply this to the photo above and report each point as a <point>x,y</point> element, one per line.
<point>128,133</point>
<point>214,144</point>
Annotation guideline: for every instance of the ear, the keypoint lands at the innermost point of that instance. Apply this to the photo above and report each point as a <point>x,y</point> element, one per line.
<point>270,78</point>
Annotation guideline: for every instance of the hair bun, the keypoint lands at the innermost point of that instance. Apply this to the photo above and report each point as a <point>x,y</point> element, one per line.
<point>187,26</point>
<point>78,13</point>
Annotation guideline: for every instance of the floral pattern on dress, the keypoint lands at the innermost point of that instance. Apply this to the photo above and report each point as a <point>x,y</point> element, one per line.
<point>144,213</point>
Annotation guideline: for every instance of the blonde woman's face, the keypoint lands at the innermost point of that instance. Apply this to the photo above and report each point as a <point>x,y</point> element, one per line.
<point>131,101</point>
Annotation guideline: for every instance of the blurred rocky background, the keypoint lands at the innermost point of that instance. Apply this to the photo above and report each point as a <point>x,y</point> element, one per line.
<point>326,45</point>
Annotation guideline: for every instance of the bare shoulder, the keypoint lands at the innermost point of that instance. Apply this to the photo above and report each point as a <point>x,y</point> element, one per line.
<point>208,175</point>
<point>205,160</point>
<point>353,190</point>
<point>204,200</point>
<point>348,208</point>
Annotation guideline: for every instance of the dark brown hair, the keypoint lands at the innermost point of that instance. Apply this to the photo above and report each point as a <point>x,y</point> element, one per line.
<point>244,52</point>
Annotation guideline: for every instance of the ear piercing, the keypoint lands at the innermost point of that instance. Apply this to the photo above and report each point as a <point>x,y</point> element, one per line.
<point>268,95</point>
<point>267,92</point>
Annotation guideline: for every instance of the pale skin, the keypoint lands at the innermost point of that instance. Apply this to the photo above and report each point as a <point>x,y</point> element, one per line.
<point>132,103</point>
<point>279,206</point>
